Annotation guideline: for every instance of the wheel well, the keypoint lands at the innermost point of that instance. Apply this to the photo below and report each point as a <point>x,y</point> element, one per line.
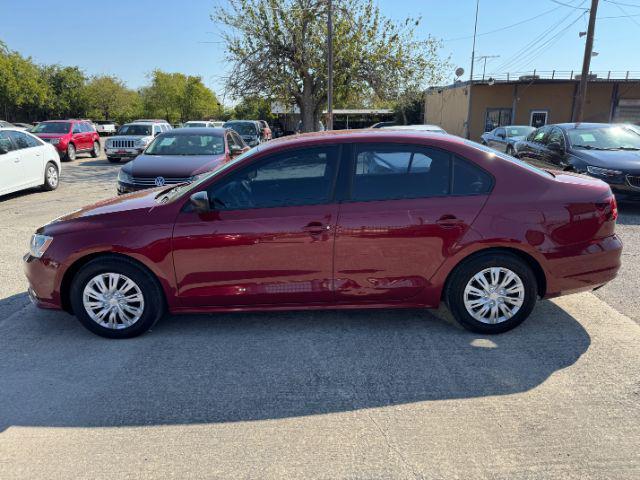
<point>69,275</point>
<point>541,278</point>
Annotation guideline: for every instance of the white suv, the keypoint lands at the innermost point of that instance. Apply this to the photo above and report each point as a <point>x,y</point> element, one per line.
<point>132,139</point>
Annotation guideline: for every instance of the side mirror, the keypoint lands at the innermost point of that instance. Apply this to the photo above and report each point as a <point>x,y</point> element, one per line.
<point>235,150</point>
<point>200,202</point>
<point>501,135</point>
<point>555,146</point>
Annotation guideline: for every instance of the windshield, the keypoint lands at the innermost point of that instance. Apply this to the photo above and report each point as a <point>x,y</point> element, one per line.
<point>180,144</point>
<point>604,138</point>
<point>519,131</point>
<point>186,188</point>
<point>242,128</point>
<point>133,129</point>
<point>195,124</point>
<point>53,127</point>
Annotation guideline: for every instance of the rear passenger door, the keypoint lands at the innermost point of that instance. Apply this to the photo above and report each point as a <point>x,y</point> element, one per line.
<point>405,210</point>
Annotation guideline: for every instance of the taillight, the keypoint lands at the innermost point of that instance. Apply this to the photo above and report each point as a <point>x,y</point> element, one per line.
<point>608,209</point>
<point>614,207</point>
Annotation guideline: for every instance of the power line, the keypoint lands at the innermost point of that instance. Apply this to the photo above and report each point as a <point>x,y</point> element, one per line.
<point>630,17</point>
<point>623,4</point>
<point>570,6</point>
<point>502,28</point>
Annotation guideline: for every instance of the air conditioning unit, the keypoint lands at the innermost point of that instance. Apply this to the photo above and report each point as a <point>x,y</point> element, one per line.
<point>528,78</point>
<point>591,76</point>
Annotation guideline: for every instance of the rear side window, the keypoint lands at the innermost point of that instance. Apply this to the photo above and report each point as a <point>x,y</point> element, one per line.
<point>5,142</point>
<point>22,140</point>
<point>468,179</point>
<point>396,172</point>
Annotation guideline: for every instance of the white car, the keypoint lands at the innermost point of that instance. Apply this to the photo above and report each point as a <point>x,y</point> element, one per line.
<point>132,139</point>
<point>105,127</point>
<point>26,162</point>
<point>203,124</point>
<point>417,128</point>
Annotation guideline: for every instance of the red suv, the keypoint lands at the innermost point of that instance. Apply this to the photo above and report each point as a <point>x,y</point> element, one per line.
<point>69,137</point>
<point>378,218</point>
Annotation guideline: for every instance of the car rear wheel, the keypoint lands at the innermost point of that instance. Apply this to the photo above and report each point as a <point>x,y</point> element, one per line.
<point>115,298</point>
<point>491,293</point>
<point>51,177</point>
<point>95,153</point>
<point>71,153</point>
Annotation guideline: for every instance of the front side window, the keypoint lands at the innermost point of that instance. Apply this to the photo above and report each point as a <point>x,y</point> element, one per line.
<point>538,135</point>
<point>299,177</point>
<point>22,140</point>
<point>397,172</point>
<point>500,132</point>
<point>556,136</point>
<point>76,128</point>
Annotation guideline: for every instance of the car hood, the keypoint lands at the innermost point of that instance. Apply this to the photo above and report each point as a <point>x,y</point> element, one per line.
<point>50,135</point>
<point>142,200</point>
<point>626,160</point>
<point>180,166</point>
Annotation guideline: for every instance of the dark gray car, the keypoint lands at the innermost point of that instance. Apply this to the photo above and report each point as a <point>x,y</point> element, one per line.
<point>504,138</point>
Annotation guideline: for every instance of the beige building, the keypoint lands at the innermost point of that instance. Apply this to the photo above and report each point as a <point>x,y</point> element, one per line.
<point>529,101</point>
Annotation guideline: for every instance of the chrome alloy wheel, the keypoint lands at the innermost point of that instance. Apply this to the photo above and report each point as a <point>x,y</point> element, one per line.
<point>52,176</point>
<point>494,295</point>
<point>113,300</point>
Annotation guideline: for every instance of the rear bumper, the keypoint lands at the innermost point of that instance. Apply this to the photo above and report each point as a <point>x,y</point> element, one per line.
<point>587,269</point>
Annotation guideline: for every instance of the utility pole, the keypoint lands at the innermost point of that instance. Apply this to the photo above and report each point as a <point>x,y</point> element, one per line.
<point>485,57</point>
<point>586,63</point>
<point>330,65</point>
<point>467,130</point>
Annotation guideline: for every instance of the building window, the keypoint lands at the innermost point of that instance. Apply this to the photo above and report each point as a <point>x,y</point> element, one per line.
<point>497,117</point>
<point>538,118</point>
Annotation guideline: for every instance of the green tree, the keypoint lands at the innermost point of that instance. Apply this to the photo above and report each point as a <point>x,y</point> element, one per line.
<point>23,92</point>
<point>108,97</point>
<point>278,50</point>
<point>255,108</point>
<point>179,97</point>
<point>67,93</point>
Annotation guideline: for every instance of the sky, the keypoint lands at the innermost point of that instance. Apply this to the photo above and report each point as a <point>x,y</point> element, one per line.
<point>130,38</point>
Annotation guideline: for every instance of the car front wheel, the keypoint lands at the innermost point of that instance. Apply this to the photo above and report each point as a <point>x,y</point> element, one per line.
<point>71,153</point>
<point>95,153</point>
<point>491,293</point>
<point>509,150</point>
<point>51,177</point>
<point>115,298</point>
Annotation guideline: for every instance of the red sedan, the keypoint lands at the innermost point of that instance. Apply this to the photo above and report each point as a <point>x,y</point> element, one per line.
<point>376,219</point>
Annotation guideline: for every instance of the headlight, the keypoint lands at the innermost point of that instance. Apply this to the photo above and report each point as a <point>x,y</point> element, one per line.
<point>39,245</point>
<point>603,172</point>
<point>54,141</point>
<point>124,177</point>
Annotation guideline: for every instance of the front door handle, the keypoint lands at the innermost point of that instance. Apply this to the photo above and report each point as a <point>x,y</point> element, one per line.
<point>449,221</point>
<point>316,228</point>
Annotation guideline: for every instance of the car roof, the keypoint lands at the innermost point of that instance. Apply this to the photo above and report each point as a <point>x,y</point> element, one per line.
<point>197,131</point>
<point>150,120</point>
<point>413,127</point>
<point>241,121</point>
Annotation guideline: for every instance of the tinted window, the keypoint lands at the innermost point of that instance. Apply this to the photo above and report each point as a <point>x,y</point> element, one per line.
<point>538,135</point>
<point>500,131</point>
<point>52,127</point>
<point>5,142</point>
<point>390,172</point>
<point>301,177</point>
<point>22,140</point>
<point>555,136</point>
<point>468,179</point>
<point>76,128</point>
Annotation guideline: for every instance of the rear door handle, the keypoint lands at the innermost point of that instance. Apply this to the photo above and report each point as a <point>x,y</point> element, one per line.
<point>449,221</point>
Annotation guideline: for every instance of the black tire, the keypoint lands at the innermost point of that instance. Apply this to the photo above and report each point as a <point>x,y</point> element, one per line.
<point>154,301</point>
<point>113,159</point>
<point>70,154</point>
<point>51,182</point>
<point>95,152</point>
<point>463,273</point>
<point>509,150</point>
<point>484,143</point>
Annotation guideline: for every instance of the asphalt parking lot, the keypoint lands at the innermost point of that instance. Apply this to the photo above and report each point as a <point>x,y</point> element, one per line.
<point>387,394</point>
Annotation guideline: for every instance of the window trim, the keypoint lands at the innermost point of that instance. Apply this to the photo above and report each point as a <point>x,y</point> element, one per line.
<point>256,163</point>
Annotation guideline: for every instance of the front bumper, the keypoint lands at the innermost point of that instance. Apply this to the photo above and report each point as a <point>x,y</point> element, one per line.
<point>42,275</point>
<point>123,152</point>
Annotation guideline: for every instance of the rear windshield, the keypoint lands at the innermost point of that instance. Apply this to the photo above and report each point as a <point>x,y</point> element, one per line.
<point>242,128</point>
<point>195,124</point>
<point>509,158</point>
<point>52,127</point>
<point>135,129</point>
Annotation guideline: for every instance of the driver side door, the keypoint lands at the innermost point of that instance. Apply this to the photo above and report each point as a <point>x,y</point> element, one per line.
<point>268,238</point>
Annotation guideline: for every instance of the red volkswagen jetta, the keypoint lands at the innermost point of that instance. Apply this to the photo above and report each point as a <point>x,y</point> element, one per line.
<point>375,219</point>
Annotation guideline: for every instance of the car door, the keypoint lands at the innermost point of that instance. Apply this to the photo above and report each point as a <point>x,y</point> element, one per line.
<point>499,139</point>
<point>269,238</point>
<point>533,148</point>
<point>554,152</point>
<point>10,178</point>
<point>30,158</point>
<point>402,217</point>
<point>77,137</point>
